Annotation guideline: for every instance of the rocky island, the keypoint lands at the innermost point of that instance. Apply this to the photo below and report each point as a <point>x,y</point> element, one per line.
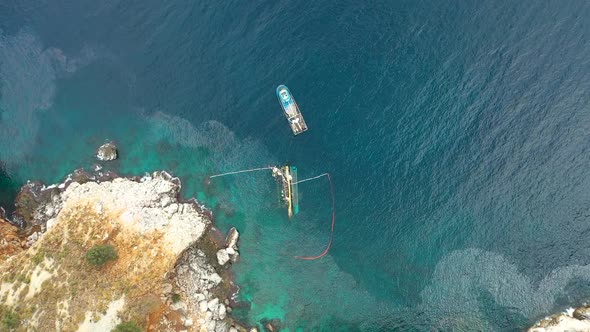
<point>101,252</point>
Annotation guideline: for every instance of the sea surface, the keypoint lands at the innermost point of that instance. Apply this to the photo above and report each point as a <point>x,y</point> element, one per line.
<point>457,135</point>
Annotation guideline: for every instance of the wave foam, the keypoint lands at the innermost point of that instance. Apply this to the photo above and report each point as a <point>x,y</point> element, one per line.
<point>28,74</point>
<point>461,277</point>
<point>228,152</point>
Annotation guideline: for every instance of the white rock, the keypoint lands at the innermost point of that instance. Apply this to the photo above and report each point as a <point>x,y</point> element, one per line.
<point>180,305</point>
<point>212,305</point>
<point>172,208</point>
<point>139,203</point>
<point>49,210</point>
<point>230,251</point>
<point>222,257</point>
<point>203,306</point>
<point>215,278</point>
<point>232,238</point>
<point>221,326</point>
<point>211,326</point>
<point>50,223</point>
<point>33,238</point>
<point>188,322</point>
<point>233,329</point>
<point>221,311</point>
<point>107,151</point>
<point>166,288</point>
<point>98,208</point>
<point>165,201</point>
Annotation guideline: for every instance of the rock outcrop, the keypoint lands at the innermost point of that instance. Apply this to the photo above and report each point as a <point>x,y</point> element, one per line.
<point>230,252</point>
<point>31,199</point>
<point>572,321</point>
<point>582,313</point>
<point>272,325</point>
<point>107,151</point>
<point>166,278</point>
<point>11,243</point>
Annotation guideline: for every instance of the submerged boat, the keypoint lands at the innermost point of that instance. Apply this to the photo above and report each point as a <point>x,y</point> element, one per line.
<point>286,177</point>
<point>292,112</point>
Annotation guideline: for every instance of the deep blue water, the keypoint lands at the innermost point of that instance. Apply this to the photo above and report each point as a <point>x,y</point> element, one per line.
<point>457,135</point>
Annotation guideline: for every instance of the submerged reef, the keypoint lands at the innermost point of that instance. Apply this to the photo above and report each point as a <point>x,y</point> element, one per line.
<point>100,251</point>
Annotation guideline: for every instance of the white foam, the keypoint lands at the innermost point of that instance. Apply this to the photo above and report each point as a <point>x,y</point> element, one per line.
<point>463,275</point>
<point>28,73</point>
<point>229,153</point>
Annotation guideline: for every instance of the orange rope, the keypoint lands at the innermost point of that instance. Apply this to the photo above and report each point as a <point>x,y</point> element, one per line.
<point>309,258</point>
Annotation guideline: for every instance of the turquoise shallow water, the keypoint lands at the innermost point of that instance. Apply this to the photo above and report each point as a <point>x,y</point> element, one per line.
<point>456,135</point>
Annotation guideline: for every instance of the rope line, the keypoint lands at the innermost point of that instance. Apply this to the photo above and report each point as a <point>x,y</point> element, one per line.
<point>309,179</point>
<point>243,171</point>
<point>310,258</point>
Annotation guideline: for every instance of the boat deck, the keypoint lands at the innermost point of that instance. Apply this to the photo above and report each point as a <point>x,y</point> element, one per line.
<point>296,120</point>
<point>294,190</point>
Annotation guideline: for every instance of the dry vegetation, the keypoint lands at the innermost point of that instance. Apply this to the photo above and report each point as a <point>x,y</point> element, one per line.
<point>52,283</point>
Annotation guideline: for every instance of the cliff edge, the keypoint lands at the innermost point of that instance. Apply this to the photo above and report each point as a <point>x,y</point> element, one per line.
<point>159,271</point>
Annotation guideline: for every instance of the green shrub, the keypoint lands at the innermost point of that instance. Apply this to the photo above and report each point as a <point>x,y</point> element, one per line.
<point>10,320</point>
<point>175,297</point>
<point>128,327</point>
<point>101,254</point>
<point>38,258</point>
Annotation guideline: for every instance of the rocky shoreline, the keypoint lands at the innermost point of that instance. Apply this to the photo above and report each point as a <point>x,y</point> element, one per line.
<point>573,320</point>
<point>158,236</point>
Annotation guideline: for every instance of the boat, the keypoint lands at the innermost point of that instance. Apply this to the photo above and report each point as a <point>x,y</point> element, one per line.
<point>286,177</point>
<point>291,110</point>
